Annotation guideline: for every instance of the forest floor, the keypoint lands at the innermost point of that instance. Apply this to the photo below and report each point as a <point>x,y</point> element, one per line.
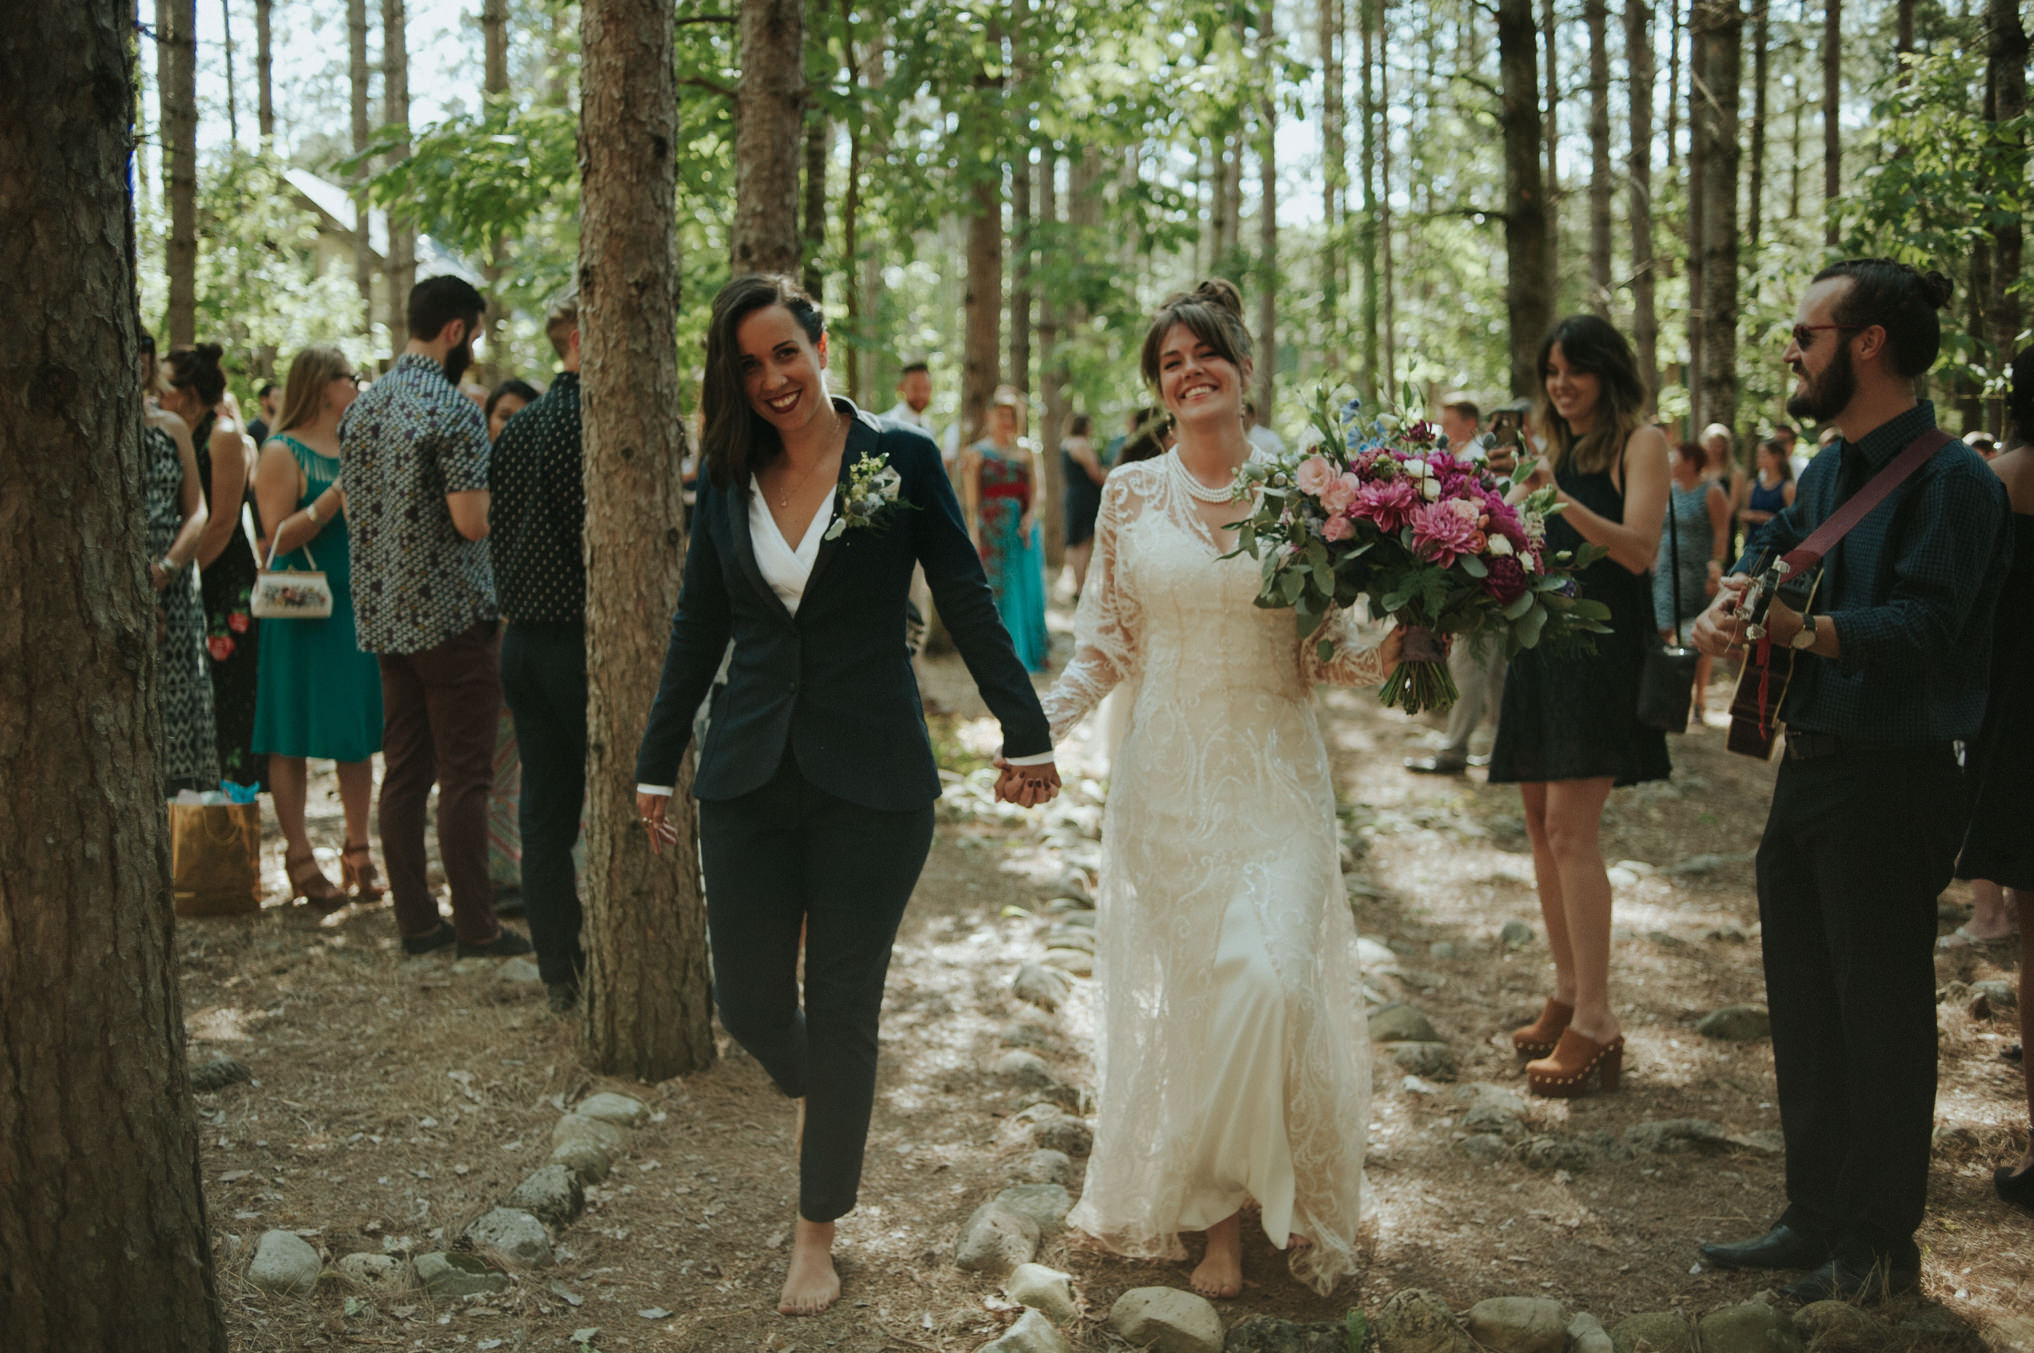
<point>396,1100</point>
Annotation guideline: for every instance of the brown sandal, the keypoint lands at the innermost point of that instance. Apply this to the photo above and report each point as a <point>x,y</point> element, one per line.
<point>1576,1061</point>
<point>308,881</point>
<point>1538,1038</point>
<point>356,868</point>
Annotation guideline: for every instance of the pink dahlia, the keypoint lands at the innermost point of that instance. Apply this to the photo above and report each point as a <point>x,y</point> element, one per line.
<point>1388,502</point>
<point>1506,580</point>
<point>1441,534</point>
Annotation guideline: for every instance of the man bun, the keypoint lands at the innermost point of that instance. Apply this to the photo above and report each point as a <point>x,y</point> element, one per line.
<point>1937,288</point>
<point>1899,298</point>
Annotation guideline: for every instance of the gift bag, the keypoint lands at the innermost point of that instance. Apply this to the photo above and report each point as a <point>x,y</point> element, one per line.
<point>215,858</point>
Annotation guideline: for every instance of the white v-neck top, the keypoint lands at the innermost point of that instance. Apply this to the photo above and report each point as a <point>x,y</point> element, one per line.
<point>784,568</point>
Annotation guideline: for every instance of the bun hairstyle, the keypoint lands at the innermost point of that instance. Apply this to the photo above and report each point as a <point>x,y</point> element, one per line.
<point>198,369</point>
<point>734,440</point>
<point>1899,298</point>
<point>1212,311</point>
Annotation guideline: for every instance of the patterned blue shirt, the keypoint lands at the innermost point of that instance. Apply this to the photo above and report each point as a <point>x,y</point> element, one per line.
<point>1911,590</point>
<point>406,442</point>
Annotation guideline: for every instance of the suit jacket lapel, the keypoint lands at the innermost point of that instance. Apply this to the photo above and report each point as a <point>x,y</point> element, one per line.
<point>745,551</point>
<point>861,441</point>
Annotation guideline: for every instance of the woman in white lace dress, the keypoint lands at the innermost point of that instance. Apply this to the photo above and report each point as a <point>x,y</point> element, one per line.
<point>1233,1063</point>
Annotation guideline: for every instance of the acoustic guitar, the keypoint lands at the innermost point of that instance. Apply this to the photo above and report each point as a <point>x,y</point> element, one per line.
<point>1768,667</point>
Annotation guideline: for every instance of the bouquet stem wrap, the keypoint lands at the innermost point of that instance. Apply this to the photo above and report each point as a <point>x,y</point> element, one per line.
<point>1421,681</point>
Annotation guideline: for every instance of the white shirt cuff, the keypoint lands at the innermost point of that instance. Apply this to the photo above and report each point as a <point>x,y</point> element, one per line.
<point>1041,759</point>
<point>665,790</point>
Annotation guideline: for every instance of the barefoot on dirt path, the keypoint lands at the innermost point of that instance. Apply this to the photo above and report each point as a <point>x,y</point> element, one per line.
<point>812,1285</point>
<point>1221,1269</point>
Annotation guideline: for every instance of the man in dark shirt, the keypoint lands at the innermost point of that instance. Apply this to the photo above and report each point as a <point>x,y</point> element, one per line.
<point>535,522</point>
<point>1892,662</point>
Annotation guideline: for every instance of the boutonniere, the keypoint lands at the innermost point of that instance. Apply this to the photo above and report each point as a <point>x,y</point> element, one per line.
<point>869,496</point>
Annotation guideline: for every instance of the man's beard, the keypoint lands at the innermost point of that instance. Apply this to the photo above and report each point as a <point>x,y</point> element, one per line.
<point>457,360</point>
<point>1827,395</point>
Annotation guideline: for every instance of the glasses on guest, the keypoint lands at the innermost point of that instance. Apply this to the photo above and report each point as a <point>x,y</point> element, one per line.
<point>1804,334</point>
<point>353,376</point>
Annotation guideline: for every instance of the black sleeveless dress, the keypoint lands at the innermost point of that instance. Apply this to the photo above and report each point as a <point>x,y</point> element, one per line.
<point>1572,715</point>
<point>232,635</point>
<point>1999,843</point>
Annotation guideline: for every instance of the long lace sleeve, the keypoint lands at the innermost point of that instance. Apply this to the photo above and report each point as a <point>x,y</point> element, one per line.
<point>1355,661</point>
<point>1107,624</point>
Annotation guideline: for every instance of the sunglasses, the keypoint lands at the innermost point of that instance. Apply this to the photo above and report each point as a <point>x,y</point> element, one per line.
<point>1804,334</point>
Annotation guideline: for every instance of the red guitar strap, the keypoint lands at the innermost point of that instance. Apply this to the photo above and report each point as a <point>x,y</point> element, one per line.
<point>1823,538</point>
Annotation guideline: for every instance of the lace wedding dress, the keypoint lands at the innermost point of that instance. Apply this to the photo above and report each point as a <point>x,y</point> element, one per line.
<point>1233,1064</point>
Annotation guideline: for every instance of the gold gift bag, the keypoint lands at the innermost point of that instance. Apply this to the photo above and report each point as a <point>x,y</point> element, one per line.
<point>215,858</point>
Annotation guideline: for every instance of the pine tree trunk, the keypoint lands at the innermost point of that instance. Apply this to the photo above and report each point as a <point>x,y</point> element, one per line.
<point>818,144</point>
<point>102,1211</point>
<point>1367,110</point>
<point>1529,297</point>
<point>264,71</point>
<point>1597,15</point>
<point>1755,202</point>
<point>1052,373</point>
<point>1267,222</point>
<point>401,265</point>
<point>232,85</point>
<point>1971,404</point>
<point>1549,38</point>
<point>857,271</point>
<point>769,111</point>
<point>1334,168</point>
<point>1021,249</point>
<point>494,29</point>
<point>176,28</point>
<point>1794,161</point>
<point>982,307</point>
<point>2007,55</point>
<point>1694,220</point>
<point>1645,320</point>
<point>1233,146</point>
<point>1722,22</point>
<point>1832,107</point>
<point>649,995</point>
<point>1673,86</point>
<point>363,240</point>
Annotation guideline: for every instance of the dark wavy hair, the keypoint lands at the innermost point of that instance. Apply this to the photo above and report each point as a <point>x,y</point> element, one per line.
<point>1212,311</point>
<point>734,440</point>
<point>1900,298</point>
<point>1589,344</point>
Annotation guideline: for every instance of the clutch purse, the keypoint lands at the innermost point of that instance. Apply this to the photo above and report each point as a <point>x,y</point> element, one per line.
<point>291,594</point>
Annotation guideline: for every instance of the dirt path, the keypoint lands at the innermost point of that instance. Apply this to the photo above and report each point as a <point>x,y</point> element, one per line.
<point>397,1100</point>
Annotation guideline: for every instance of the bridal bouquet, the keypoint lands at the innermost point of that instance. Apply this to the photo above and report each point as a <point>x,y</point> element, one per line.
<point>1380,510</point>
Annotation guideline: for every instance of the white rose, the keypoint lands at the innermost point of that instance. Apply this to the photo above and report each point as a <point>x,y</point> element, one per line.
<point>1525,561</point>
<point>1430,489</point>
<point>1500,545</point>
<point>1418,468</point>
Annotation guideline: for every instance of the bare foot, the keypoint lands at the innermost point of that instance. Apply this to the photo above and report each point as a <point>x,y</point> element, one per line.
<point>811,1286</point>
<point>1220,1273</point>
<point>1295,1241</point>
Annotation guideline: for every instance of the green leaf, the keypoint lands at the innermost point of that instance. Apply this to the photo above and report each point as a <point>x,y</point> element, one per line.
<point>1474,567</point>
<point>1290,585</point>
<point>1518,606</point>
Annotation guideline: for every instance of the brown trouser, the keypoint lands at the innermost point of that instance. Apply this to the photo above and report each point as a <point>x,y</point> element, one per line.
<point>438,710</point>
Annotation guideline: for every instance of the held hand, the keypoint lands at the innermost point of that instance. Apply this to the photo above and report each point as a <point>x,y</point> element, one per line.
<point>1392,651</point>
<point>652,810</point>
<point>1027,786</point>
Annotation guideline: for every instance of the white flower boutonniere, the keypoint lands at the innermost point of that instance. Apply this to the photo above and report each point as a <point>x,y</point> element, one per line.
<point>869,496</point>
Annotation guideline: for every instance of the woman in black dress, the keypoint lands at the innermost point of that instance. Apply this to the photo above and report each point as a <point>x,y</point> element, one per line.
<point>226,567</point>
<point>1081,474</point>
<point>1569,730</point>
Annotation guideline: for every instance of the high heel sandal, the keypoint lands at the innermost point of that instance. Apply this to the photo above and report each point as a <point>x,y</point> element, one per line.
<point>1576,1061</point>
<point>362,879</point>
<point>308,881</point>
<point>1538,1038</point>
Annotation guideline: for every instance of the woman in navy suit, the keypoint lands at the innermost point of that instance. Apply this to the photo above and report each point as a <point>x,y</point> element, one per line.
<point>816,780</point>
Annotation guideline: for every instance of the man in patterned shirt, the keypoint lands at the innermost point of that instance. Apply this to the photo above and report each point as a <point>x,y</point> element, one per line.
<point>414,452</point>
<point>536,519</point>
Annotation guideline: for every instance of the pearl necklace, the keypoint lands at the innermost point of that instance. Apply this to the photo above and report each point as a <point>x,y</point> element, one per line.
<point>1192,484</point>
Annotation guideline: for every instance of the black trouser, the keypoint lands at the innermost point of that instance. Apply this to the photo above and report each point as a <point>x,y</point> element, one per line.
<point>1858,846</point>
<point>543,677</point>
<point>787,855</point>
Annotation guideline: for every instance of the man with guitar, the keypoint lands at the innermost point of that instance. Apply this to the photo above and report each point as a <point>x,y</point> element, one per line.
<point>1890,662</point>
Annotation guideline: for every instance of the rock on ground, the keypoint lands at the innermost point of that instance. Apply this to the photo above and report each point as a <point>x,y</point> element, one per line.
<point>1418,1321</point>
<point>587,1162</point>
<point>1267,1334</point>
<point>1167,1320</point>
<point>1041,986</point>
<point>1400,1023</point>
<point>284,1262</point>
<point>1483,1146</point>
<point>1045,1166</point>
<point>216,1073</point>
<point>1032,1333</point>
<point>1587,1335</point>
<point>1514,933</point>
<point>513,1234</point>
<point>1665,1331</point>
<point>375,1272</point>
<point>1425,1059</point>
<point>1736,1023</point>
<point>519,970</point>
<point>1045,1204</point>
<point>1752,1327</point>
<point>458,1275</point>
<point>579,1127</point>
<point>1519,1325</point>
<point>1044,1289</point>
<point>609,1107</point>
<point>1022,1068</point>
<point>995,1240</point>
<point>1070,1136</point>
<point>552,1194</point>
<point>1834,1325</point>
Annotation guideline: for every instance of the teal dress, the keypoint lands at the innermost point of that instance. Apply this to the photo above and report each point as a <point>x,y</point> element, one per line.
<point>1013,560</point>
<point>319,695</point>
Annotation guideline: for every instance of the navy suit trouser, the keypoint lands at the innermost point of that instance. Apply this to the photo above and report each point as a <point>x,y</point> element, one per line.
<point>786,857</point>
<point>543,677</point>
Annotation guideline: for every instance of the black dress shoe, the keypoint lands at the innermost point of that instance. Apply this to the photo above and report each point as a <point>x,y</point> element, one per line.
<point>1781,1247</point>
<point>1441,763</point>
<point>508,944</point>
<point>1853,1280</point>
<point>2015,1188</point>
<point>562,996</point>
<point>416,946</point>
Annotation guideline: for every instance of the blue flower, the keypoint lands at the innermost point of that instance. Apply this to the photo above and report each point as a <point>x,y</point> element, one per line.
<point>1350,410</point>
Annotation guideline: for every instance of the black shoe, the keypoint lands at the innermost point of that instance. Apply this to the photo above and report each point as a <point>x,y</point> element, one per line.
<point>2015,1188</point>
<point>416,946</point>
<point>1781,1247</point>
<point>564,997</point>
<point>1850,1280</point>
<point>508,944</point>
<point>1441,763</point>
<point>508,902</point>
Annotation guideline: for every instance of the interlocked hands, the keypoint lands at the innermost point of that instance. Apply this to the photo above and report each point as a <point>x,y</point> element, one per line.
<point>1027,786</point>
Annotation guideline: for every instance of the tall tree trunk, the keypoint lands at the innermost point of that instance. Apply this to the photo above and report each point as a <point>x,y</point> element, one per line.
<point>861,369</point>
<point>1722,23</point>
<point>363,239</point>
<point>1529,297</point>
<point>818,145</point>
<point>769,110</point>
<point>1367,110</point>
<point>2006,53</point>
<point>494,28</point>
<point>1794,157</point>
<point>1022,246</point>
<point>1673,87</point>
<point>1755,201</point>
<point>232,85</point>
<point>1267,220</point>
<point>494,34</point>
<point>982,306</point>
<point>1693,221</point>
<point>401,267</point>
<point>176,74</point>
<point>1234,147</point>
<point>1645,320</point>
<point>1386,295</point>
<point>649,995</point>
<point>1597,15</point>
<point>1334,169</point>
<point>1971,403</point>
<point>264,71</point>
<point>1832,108</point>
<point>1550,39</point>
<point>1051,368</point>
<point>102,1212</point>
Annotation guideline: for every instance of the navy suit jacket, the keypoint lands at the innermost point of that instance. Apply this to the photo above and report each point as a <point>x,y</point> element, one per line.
<point>834,682</point>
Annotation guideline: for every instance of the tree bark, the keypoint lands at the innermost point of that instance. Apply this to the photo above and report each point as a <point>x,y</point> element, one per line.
<point>1597,16</point>
<point>818,142</point>
<point>1267,220</point>
<point>176,29</point>
<point>1387,298</point>
<point>1549,38</point>
<point>1832,107</point>
<point>649,995</point>
<point>769,111</point>
<point>264,71</point>
<point>1693,219</point>
<point>363,239</point>
<point>1334,168</point>
<point>1645,320</point>
<point>494,32</point>
<point>1722,23</point>
<point>2007,53</point>
<point>401,266</point>
<point>232,85</point>
<point>1529,297</point>
<point>1022,246</point>
<point>494,28</point>
<point>1673,86</point>
<point>1366,100</point>
<point>102,1211</point>
<point>1051,371</point>
<point>982,305</point>
<point>860,369</point>
<point>1755,204</point>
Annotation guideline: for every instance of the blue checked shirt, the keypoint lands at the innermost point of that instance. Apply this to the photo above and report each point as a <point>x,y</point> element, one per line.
<point>1911,590</point>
